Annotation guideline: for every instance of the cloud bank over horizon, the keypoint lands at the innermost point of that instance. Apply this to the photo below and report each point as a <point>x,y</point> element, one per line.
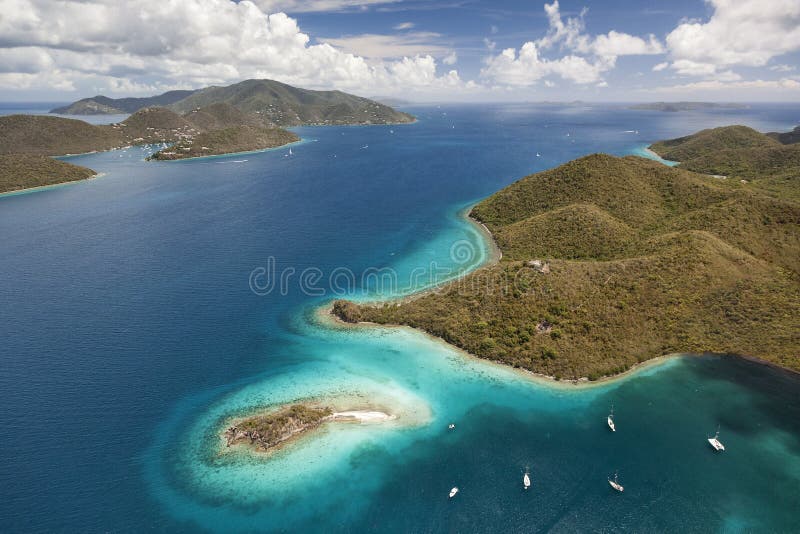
<point>742,49</point>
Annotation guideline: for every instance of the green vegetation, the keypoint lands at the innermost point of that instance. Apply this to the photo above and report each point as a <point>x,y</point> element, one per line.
<point>218,129</point>
<point>273,102</point>
<point>227,141</point>
<point>23,171</point>
<point>638,260</point>
<point>221,115</point>
<point>271,429</point>
<point>284,105</point>
<point>770,161</point>
<point>702,143</point>
<point>51,136</point>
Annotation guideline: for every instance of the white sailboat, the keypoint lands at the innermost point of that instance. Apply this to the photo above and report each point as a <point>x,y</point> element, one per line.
<point>451,426</point>
<point>610,420</point>
<point>526,480</point>
<point>716,443</point>
<point>615,484</point>
<point>453,492</point>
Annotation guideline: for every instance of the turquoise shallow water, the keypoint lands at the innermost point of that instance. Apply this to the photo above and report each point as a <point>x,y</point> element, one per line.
<point>154,337</point>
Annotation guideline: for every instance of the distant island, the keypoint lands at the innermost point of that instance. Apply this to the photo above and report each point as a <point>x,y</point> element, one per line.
<point>103,105</point>
<point>243,117</point>
<point>684,106</point>
<point>608,262</point>
<point>276,103</point>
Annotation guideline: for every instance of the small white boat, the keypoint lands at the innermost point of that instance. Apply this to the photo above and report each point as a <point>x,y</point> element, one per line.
<point>538,155</point>
<point>526,480</point>
<point>610,420</point>
<point>451,426</point>
<point>453,492</point>
<point>716,443</point>
<point>615,484</point>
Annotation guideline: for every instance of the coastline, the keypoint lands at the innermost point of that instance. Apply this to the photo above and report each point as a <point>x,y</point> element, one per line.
<point>345,410</point>
<point>300,141</point>
<point>645,152</point>
<point>324,316</point>
<point>51,186</point>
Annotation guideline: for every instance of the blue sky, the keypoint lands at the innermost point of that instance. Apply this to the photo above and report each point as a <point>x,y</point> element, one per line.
<point>448,50</point>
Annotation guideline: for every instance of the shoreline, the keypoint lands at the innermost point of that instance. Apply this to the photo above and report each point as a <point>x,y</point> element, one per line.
<point>51,186</point>
<point>491,250</point>
<point>650,154</point>
<point>344,410</point>
<point>323,314</point>
<point>300,141</point>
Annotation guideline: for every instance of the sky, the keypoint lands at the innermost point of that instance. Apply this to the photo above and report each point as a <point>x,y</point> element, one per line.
<point>418,50</point>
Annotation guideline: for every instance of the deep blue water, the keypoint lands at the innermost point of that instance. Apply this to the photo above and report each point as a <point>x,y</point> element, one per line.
<point>130,330</point>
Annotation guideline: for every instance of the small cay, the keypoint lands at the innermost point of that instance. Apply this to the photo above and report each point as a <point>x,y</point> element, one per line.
<point>266,431</point>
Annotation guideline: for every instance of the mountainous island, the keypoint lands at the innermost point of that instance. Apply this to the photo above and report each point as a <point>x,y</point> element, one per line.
<point>608,262</point>
<point>243,117</point>
<point>276,103</point>
<point>685,106</point>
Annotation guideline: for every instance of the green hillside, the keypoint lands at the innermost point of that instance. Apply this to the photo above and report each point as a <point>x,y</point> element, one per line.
<point>23,171</point>
<point>274,103</point>
<point>770,161</point>
<point>227,141</point>
<point>222,115</point>
<point>40,134</point>
<point>285,105</point>
<point>705,142</point>
<point>641,260</point>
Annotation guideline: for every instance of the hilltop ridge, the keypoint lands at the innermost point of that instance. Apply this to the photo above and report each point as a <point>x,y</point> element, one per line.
<point>274,102</point>
<point>103,105</point>
<point>770,161</point>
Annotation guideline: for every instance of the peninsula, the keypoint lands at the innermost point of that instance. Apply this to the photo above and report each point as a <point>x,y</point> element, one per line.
<point>608,262</point>
<point>243,117</point>
<point>24,171</point>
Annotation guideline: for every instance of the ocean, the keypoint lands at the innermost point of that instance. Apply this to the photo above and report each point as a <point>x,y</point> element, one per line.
<point>144,308</point>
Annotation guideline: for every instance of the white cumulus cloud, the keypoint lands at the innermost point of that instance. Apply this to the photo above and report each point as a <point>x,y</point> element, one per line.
<point>149,45</point>
<point>738,33</point>
<point>588,58</point>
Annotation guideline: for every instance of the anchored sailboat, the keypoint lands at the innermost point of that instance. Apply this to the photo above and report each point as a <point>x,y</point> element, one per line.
<point>615,484</point>
<point>453,492</point>
<point>610,420</point>
<point>526,480</point>
<point>715,442</point>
